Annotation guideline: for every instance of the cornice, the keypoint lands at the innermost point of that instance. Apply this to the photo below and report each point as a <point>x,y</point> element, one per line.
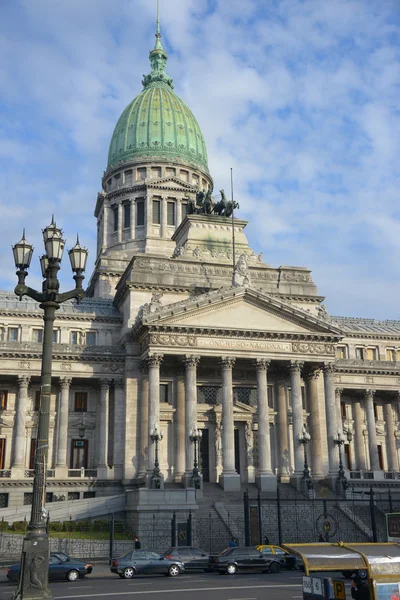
<point>62,352</point>
<point>60,317</point>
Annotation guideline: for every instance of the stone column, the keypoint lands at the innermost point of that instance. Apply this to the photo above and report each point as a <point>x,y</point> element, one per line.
<point>264,479</point>
<point>338,398</point>
<point>164,217</point>
<point>20,426</point>
<point>106,213</point>
<point>332,424</point>
<point>133,219</point>
<point>297,415</point>
<point>315,454</point>
<point>372,442</point>
<point>154,363</point>
<point>357,413</point>
<point>178,212</point>
<point>119,428</point>
<point>103,428</point>
<point>283,434</point>
<point>120,218</point>
<point>229,478</point>
<point>144,419</point>
<point>62,441</point>
<point>191,363</point>
<point>180,413</point>
<point>393,461</point>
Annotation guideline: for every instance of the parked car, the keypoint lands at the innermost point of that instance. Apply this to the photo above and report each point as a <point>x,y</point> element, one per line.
<point>237,559</point>
<point>61,566</point>
<point>193,558</point>
<point>144,562</point>
<point>285,559</point>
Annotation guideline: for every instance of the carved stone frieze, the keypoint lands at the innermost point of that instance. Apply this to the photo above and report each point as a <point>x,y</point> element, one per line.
<point>313,348</point>
<point>163,339</point>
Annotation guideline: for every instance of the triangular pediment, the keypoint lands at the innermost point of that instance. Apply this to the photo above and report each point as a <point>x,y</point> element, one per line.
<point>242,310</point>
<point>171,183</point>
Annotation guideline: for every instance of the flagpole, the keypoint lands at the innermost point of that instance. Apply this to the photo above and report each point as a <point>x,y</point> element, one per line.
<point>233,223</point>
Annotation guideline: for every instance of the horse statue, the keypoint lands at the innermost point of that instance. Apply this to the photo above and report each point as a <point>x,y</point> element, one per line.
<point>219,208</point>
<point>204,202</point>
<point>230,207</point>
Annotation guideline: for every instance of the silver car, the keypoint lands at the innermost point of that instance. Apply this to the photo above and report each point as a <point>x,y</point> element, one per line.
<point>145,562</point>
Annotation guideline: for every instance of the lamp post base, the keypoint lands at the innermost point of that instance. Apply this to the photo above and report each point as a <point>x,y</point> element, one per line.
<point>33,582</point>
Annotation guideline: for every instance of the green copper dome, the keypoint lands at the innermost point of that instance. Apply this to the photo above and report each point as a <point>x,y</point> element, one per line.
<point>157,124</point>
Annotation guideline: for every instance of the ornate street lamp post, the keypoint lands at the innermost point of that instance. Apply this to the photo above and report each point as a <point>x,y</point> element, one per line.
<point>304,439</point>
<point>35,549</point>
<point>339,440</point>
<point>156,436</point>
<point>195,437</point>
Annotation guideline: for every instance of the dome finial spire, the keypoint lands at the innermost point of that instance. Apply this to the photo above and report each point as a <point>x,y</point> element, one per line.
<point>158,45</point>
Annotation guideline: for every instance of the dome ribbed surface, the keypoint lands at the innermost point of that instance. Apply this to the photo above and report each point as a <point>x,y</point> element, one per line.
<point>158,124</point>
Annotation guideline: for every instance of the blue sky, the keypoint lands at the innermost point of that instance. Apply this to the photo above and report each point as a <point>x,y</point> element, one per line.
<point>300,97</point>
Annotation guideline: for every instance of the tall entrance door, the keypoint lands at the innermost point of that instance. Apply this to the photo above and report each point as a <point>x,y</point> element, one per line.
<point>79,454</point>
<point>2,452</point>
<point>237,451</point>
<point>204,458</point>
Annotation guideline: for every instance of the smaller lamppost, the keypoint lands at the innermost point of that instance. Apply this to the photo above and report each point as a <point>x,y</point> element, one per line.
<point>195,437</point>
<point>304,439</point>
<point>156,435</point>
<point>339,440</point>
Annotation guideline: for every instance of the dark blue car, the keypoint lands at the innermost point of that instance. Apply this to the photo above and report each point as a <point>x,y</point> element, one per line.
<point>61,566</point>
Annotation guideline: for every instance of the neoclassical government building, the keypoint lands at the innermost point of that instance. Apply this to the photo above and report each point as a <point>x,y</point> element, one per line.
<point>179,328</point>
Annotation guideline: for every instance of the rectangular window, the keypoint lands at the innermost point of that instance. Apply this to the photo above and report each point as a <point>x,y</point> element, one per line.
<point>209,395</point>
<point>360,353</point>
<point>2,453</point>
<point>128,177</point>
<point>184,175</point>
<point>156,171</point>
<point>79,454</point>
<point>115,217</point>
<point>171,213</point>
<point>195,180</point>
<point>13,334</point>
<point>184,210</point>
<point>127,215</point>
<point>80,403</point>
<point>89,494</point>
<point>3,500</point>
<point>390,354</point>
<point>170,171</point>
<point>55,336</point>
<point>139,213</point>
<point>164,396</point>
<point>74,338</point>
<point>37,336</point>
<point>118,179</point>
<point>90,338</point>
<point>341,352</point>
<point>36,402</point>
<point>156,212</point>
<point>109,184</point>
<point>141,174</point>
<point>372,354</point>
<point>3,399</point>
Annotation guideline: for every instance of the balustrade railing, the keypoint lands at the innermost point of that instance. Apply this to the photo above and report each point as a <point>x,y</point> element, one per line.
<point>5,472</point>
<point>82,473</point>
<point>361,475</point>
<point>391,475</point>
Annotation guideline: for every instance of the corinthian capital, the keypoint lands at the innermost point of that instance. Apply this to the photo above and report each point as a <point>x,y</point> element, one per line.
<point>227,362</point>
<point>23,381</point>
<point>312,374</point>
<point>154,360</point>
<point>65,383</point>
<point>262,364</point>
<point>190,360</point>
<point>295,366</point>
<point>369,394</point>
<point>329,368</point>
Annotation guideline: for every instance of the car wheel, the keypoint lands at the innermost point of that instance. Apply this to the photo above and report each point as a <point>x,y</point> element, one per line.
<point>128,573</point>
<point>275,567</point>
<point>174,571</point>
<point>363,573</point>
<point>231,569</point>
<point>73,575</point>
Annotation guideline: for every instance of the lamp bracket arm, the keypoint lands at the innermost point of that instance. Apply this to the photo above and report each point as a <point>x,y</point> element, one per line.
<point>78,293</point>
<point>24,290</point>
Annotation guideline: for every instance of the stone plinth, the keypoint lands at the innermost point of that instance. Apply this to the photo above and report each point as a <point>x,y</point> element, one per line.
<point>166,501</point>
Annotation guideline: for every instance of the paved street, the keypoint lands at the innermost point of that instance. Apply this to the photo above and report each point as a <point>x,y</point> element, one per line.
<point>282,586</point>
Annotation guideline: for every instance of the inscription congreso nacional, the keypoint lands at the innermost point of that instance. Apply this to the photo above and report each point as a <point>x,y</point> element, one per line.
<point>181,329</point>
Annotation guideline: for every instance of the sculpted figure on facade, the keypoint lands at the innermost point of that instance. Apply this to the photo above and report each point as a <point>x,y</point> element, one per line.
<point>248,432</point>
<point>218,442</point>
<point>241,274</point>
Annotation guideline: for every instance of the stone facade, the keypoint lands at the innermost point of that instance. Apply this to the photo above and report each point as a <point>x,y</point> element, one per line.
<point>175,331</point>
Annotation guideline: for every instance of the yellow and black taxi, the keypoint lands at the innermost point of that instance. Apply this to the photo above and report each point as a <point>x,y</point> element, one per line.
<point>285,559</point>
